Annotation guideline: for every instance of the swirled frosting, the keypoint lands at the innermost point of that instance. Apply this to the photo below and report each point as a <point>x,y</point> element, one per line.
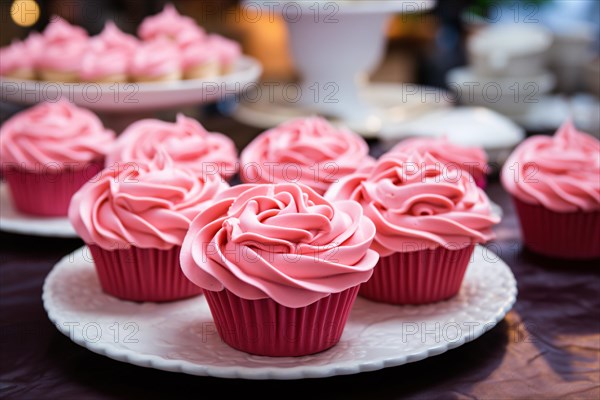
<point>309,150</point>
<point>417,205</point>
<point>112,38</point>
<point>186,141</point>
<point>155,58</point>
<point>98,63</point>
<point>146,205</point>
<point>171,25</point>
<point>282,241</point>
<point>197,53</point>
<point>64,46</point>
<point>227,50</point>
<point>53,133</point>
<point>470,159</point>
<point>561,173</point>
<point>15,57</point>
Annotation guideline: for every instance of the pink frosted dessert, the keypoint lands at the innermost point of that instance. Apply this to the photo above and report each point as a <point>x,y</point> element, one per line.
<point>308,150</point>
<point>156,61</point>
<point>199,60</point>
<point>186,141</point>
<point>48,152</point>
<point>112,38</point>
<point>470,159</point>
<point>17,62</point>
<point>428,222</point>
<point>227,51</point>
<point>171,25</point>
<point>134,219</point>
<point>279,257</point>
<point>64,47</point>
<point>555,185</point>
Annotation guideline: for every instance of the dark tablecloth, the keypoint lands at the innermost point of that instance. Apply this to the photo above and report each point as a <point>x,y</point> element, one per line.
<point>548,346</point>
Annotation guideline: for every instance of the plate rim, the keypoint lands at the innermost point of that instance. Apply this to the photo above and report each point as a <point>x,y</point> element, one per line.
<point>270,372</point>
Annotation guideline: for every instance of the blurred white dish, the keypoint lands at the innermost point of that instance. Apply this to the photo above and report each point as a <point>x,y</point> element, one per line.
<point>511,96</point>
<point>467,126</point>
<point>124,98</point>
<point>13,221</point>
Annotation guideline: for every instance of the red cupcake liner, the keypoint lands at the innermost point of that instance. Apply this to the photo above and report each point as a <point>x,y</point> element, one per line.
<point>267,328</point>
<point>418,277</point>
<point>137,274</point>
<point>573,235</point>
<point>47,193</point>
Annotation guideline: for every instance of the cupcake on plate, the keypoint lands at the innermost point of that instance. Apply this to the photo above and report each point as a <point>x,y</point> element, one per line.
<point>428,222</point>
<point>156,61</point>
<point>473,160</point>
<point>48,152</point>
<point>199,61</point>
<point>170,25</point>
<point>64,47</point>
<point>555,186</point>
<point>227,51</point>
<point>134,218</point>
<point>307,150</point>
<point>16,61</point>
<point>109,56</point>
<point>186,141</point>
<point>280,266</point>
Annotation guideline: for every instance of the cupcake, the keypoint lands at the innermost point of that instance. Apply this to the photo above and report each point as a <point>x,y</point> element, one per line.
<point>199,61</point>
<point>309,150</point>
<point>108,56</point>
<point>134,218</point>
<point>170,25</point>
<point>226,50</point>
<point>428,221</point>
<point>16,61</point>
<point>186,141</point>
<point>470,159</point>
<point>48,152</point>
<point>555,186</point>
<point>64,47</point>
<point>280,266</point>
<point>156,61</point>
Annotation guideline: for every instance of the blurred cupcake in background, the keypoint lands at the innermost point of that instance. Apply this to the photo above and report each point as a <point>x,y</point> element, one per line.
<point>472,160</point>
<point>48,152</point>
<point>134,218</point>
<point>186,141</point>
<point>17,62</point>
<point>64,48</point>
<point>227,51</point>
<point>156,61</point>
<point>428,222</point>
<point>199,61</point>
<point>170,25</point>
<point>555,186</point>
<point>306,150</point>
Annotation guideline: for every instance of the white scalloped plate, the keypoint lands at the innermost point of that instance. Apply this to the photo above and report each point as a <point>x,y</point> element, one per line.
<point>181,337</point>
<point>13,221</point>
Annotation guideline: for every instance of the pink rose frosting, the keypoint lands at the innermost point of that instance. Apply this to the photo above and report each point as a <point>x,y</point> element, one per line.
<point>14,57</point>
<point>171,25</point>
<point>282,241</point>
<point>156,58</point>
<point>561,173</point>
<point>471,159</point>
<point>186,141</point>
<point>64,46</point>
<point>309,150</point>
<point>227,50</point>
<point>417,205</point>
<point>146,205</point>
<point>53,133</point>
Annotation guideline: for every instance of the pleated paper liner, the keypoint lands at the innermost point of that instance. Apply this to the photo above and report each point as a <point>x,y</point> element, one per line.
<point>267,328</point>
<point>138,274</point>
<point>418,277</point>
<point>572,235</point>
<point>47,193</point>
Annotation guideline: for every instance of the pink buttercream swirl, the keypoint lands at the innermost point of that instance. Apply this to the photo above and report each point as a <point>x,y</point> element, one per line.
<point>308,150</point>
<point>155,58</point>
<point>64,46</point>
<point>186,141</point>
<point>146,205</point>
<point>171,25</point>
<point>112,38</point>
<point>227,50</point>
<point>417,205</point>
<point>470,159</point>
<point>14,57</point>
<point>282,241</point>
<point>98,63</point>
<point>561,173</point>
<point>53,133</point>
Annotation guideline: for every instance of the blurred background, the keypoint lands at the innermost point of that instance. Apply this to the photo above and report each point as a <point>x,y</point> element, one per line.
<point>453,44</point>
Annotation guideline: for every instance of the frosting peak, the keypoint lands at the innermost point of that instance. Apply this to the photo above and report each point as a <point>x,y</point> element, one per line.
<point>416,205</point>
<point>560,172</point>
<point>282,241</point>
<point>171,25</point>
